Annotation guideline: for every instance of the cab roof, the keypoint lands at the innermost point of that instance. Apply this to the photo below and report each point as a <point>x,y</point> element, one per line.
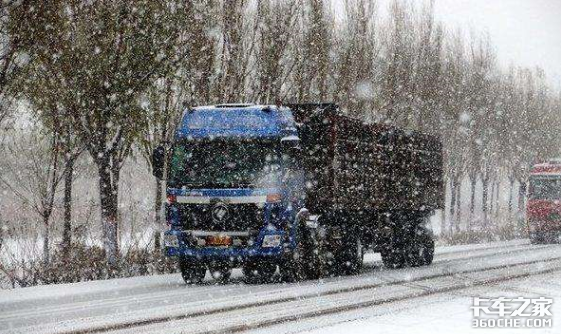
<point>236,120</point>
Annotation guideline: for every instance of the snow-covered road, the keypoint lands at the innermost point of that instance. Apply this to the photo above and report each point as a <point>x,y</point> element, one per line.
<point>437,313</point>
<point>164,304</point>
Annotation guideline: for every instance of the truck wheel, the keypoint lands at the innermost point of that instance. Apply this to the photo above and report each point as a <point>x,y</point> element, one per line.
<point>537,238</point>
<point>220,271</point>
<point>394,257</point>
<point>299,267</point>
<point>349,261</point>
<point>192,272</point>
<point>422,250</point>
<point>259,272</point>
<point>291,271</point>
<point>304,262</point>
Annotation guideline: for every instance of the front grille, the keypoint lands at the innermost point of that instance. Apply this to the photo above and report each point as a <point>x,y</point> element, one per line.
<point>241,217</point>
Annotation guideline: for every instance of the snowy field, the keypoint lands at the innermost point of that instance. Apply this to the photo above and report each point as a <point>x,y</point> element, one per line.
<point>377,300</point>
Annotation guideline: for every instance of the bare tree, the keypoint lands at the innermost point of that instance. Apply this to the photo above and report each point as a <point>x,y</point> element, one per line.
<point>312,71</point>
<point>121,48</point>
<point>357,52</point>
<point>14,18</point>
<point>276,33</point>
<point>189,84</point>
<point>33,175</point>
<point>237,47</point>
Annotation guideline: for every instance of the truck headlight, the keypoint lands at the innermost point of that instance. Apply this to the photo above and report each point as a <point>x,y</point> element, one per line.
<point>171,240</point>
<point>270,241</point>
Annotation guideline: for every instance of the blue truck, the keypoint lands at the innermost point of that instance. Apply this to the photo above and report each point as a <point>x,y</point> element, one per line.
<point>301,189</point>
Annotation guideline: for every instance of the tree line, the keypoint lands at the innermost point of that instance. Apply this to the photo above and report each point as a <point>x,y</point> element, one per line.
<point>109,79</point>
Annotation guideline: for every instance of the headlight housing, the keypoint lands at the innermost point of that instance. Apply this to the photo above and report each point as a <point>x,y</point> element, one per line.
<point>171,240</point>
<point>271,240</point>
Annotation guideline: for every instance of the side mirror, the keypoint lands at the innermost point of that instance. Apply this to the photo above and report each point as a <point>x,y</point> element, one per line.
<point>158,158</point>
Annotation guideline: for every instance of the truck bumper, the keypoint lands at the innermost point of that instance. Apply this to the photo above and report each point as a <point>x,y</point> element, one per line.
<point>547,226</point>
<point>175,246</point>
<point>225,254</point>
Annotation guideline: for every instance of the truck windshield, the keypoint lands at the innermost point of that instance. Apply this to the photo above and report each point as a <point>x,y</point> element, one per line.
<point>545,188</point>
<point>224,164</point>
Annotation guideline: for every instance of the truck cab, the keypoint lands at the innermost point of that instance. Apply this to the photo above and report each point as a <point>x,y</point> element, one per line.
<point>544,202</point>
<point>232,189</point>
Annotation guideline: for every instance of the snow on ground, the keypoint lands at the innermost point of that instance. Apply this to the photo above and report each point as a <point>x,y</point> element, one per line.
<point>66,306</point>
<point>442,313</point>
<point>117,286</point>
<point>31,248</point>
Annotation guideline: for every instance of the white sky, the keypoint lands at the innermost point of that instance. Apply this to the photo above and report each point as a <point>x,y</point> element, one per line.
<point>523,32</point>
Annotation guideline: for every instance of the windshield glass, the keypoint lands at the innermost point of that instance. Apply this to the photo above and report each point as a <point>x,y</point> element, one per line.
<point>222,164</point>
<point>545,188</point>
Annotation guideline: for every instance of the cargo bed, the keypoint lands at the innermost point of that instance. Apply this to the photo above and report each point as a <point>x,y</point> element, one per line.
<point>352,165</point>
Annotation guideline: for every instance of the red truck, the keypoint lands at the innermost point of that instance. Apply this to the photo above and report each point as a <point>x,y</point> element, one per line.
<point>544,202</point>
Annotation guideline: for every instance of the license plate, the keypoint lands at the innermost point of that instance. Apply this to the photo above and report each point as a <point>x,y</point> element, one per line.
<point>219,240</point>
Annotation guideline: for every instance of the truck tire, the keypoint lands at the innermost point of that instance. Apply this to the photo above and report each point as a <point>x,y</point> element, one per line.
<point>193,272</point>
<point>417,250</point>
<point>350,258</point>
<point>537,238</point>
<point>298,268</point>
<point>304,261</point>
<point>220,271</point>
<point>256,272</point>
<point>291,270</point>
<point>421,249</point>
<point>394,257</point>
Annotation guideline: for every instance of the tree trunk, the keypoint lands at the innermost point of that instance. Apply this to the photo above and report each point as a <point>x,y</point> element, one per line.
<point>491,201</point>
<point>116,177</point>
<point>443,215</point>
<point>67,228</point>
<point>109,210</point>
<point>521,199</point>
<point>158,202</point>
<point>473,184</point>
<point>442,222</point>
<point>1,232</point>
<point>458,206</point>
<point>46,241</point>
<point>452,204</point>
<point>510,197</point>
<point>484,201</point>
<point>158,214</point>
<point>497,199</point>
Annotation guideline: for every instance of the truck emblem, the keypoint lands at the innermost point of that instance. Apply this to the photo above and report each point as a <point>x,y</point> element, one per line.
<point>220,212</point>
